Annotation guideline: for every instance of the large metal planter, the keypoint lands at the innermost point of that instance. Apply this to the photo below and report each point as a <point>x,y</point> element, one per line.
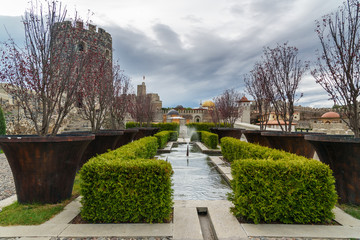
<point>104,140</point>
<point>291,142</point>
<point>342,155</point>
<point>44,167</point>
<point>227,132</point>
<point>254,136</point>
<point>145,132</point>
<point>128,137</point>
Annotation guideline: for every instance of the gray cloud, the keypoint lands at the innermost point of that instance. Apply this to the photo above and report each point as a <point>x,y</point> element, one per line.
<point>200,63</point>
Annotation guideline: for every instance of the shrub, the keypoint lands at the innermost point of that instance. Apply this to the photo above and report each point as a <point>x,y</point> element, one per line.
<point>233,149</point>
<point>124,186</point>
<point>296,191</point>
<point>196,136</point>
<point>126,190</point>
<point>200,126</point>
<point>162,138</point>
<point>209,139</point>
<point>2,123</point>
<point>132,125</point>
<point>143,148</point>
<point>174,136</point>
<point>166,126</point>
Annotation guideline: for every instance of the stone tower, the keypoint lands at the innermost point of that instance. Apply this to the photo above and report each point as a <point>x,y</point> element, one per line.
<point>71,41</point>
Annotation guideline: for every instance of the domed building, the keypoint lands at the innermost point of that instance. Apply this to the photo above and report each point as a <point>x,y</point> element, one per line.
<point>173,116</point>
<point>330,117</point>
<point>208,104</point>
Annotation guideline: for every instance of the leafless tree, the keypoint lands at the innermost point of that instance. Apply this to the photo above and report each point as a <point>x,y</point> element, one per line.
<point>121,102</point>
<point>96,89</point>
<point>338,68</point>
<point>284,72</point>
<point>44,76</point>
<point>142,110</point>
<point>228,107</point>
<point>255,83</point>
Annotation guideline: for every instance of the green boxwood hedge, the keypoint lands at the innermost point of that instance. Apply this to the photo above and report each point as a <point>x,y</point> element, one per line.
<point>200,126</point>
<point>295,191</point>
<point>131,191</point>
<point>209,139</point>
<point>123,185</point>
<point>196,136</point>
<point>165,136</point>
<point>161,126</point>
<point>275,186</point>
<point>233,149</point>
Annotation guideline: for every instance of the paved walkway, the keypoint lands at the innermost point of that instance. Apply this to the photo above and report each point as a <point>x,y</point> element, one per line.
<point>185,225</point>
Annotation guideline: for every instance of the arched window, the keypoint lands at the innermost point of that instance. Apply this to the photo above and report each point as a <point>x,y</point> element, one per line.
<point>81,46</point>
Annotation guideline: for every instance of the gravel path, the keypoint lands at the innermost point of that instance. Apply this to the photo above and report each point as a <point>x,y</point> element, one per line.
<point>7,185</point>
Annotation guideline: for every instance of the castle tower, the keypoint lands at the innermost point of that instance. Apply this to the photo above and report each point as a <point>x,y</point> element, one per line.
<point>70,42</point>
<point>141,89</point>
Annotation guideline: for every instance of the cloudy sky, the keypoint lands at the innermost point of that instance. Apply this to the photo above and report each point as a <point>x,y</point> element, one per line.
<point>192,50</point>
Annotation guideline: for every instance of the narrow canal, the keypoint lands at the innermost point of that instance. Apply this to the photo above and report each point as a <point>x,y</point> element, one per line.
<point>195,177</point>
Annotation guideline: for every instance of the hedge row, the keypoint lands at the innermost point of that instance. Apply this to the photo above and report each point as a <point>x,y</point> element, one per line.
<point>233,149</point>
<point>200,126</point>
<point>273,186</point>
<point>161,126</point>
<point>120,187</point>
<point>165,136</point>
<point>209,139</point>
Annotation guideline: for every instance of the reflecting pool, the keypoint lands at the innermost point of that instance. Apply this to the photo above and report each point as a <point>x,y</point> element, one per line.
<point>195,177</point>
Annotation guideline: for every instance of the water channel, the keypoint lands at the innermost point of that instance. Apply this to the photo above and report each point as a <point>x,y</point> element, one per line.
<point>195,177</point>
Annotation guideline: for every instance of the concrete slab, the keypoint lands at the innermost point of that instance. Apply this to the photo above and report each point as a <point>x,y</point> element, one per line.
<point>186,224</point>
<point>345,219</point>
<point>225,224</point>
<point>44,230</point>
<point>303,231</point>
<point>7,201</point>
<point>123,230</point>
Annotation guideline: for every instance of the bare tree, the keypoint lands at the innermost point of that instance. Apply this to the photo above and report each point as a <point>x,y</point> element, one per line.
<point>44,76</point>
<point>142,110</point>
<point>255,83</point>
<point>227,104</point>
<point>121,101</point>
<point>96,89</point>
<point>338,69</point>
<point>284,72</point>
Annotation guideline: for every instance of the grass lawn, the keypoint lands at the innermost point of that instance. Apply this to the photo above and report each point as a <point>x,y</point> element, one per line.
<point>35,214</point>
<point>351,210</point>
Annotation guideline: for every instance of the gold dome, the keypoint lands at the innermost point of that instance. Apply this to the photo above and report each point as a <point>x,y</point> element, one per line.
<point>208,104</point>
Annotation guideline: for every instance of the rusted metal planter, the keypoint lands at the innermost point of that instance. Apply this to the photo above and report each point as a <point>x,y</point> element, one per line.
<point>128,137</point>
<point>342,155</point>
<point>44,167</point>
<point>254,136</point>
<point>104,140</point>
<point>145,132</point>
<point>291,142</point>
<point>227,132</point>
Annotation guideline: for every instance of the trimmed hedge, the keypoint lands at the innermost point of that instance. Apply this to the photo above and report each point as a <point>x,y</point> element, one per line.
<point>196,136</point>
<point>126,191</point>
<point>233,149</point>
<point>209,139</point>
<point>295,191</point>
<point>143,148</point>
<point>275,186</point>
<point>123,186</point>
<point>200,126</point>
<point>165,136</point>
<point>161,126</point>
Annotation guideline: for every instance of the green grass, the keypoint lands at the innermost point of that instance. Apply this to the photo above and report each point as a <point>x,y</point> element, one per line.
<point>34,214</point>
<point>351,210</point>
